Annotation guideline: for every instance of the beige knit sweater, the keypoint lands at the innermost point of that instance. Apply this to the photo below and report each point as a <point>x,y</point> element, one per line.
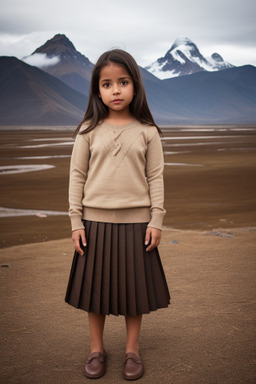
<point>116,175</point>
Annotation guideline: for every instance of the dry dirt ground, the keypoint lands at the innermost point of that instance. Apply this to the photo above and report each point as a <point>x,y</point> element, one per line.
<point>209,180</point>
<point>206,336</point>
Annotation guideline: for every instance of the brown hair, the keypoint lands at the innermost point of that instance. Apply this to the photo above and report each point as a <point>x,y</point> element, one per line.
<point>97,111</point>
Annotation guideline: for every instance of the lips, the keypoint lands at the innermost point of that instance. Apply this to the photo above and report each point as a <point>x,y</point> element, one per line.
<point>117,101</point>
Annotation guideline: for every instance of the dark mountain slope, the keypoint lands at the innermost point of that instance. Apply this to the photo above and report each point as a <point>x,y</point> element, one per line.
<point>73,68</point>
<point>164,104</point>
<point>227,96</point>
<point>31,96</point>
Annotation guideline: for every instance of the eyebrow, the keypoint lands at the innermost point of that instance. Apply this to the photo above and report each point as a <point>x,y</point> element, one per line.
<point>120,78</point>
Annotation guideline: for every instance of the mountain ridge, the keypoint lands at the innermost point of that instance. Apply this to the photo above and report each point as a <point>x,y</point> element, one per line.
<point>31,96</point>
<point>222,97</point>
<point>70,66</point>
<point>184,58</point>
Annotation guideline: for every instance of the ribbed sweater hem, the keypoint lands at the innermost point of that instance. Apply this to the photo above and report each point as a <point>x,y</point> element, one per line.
<point>130,215</point>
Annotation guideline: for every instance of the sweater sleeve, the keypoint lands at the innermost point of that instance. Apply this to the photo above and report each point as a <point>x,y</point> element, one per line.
<point>79,165</point>
<point>154,173</point>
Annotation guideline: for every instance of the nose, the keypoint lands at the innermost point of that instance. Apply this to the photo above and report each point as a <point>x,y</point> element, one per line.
<point>116,89</point>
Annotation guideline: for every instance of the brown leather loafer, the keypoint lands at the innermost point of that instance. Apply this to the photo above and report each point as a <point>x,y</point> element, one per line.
<point>95,366</point>
<point>133,368</point>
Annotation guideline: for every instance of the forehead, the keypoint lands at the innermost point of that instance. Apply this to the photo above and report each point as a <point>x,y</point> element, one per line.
<point>113,70</point>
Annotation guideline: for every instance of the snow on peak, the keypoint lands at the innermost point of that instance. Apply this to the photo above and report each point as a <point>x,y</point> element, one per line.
<point>184,58</point>
<point>215,56</point>
<point>217,63</point>
<point>182,40</point>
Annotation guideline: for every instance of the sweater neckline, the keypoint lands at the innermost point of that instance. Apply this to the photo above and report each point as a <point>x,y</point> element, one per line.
<point>119,127</point>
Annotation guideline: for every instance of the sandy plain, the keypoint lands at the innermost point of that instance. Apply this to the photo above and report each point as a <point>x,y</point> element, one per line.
<point>209,182</point>
<point>208,250</point>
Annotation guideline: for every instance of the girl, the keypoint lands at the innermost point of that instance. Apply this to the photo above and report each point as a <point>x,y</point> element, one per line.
<point>116,210</point>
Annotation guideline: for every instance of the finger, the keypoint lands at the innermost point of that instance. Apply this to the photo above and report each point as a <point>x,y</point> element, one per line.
<point>78,247</point>
<point>80,250</point>
<point>150,247</point>
<point>83,239</point>
<point>154,243</point>
<point>147,236</point>
<point>76,237</point>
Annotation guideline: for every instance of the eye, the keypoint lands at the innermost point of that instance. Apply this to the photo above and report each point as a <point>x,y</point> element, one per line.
<point>106,85</point>
<point>124,82</point>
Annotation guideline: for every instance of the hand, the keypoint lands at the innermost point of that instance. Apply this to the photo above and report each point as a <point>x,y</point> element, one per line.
<point>153,236</point>
<point>77,236</point>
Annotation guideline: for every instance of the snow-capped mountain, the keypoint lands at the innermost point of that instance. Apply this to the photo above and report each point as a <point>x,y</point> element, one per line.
<point>184,58</point>
<point>59,57</point>
<point>30,96</point>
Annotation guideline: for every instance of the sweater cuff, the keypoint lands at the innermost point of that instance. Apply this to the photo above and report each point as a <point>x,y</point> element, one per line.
<point>157,220</point>
<point>76,223</point>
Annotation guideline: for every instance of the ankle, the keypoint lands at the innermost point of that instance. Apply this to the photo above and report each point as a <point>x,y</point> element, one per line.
<point>133,349</point>
<point>97,347</point>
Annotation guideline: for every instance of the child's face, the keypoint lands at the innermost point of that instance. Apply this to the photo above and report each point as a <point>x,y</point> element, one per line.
<point>116,88</point>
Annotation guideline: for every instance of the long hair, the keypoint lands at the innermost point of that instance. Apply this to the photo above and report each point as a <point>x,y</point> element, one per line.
<point>97,111</point>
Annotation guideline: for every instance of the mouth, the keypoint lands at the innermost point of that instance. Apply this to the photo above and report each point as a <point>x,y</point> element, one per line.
<point>117,101</point>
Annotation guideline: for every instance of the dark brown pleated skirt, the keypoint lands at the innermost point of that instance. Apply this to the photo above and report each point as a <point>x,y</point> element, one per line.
<point>116,275</point>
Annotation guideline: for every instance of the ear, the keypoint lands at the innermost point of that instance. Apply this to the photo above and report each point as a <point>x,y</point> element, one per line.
<point>99,95</point>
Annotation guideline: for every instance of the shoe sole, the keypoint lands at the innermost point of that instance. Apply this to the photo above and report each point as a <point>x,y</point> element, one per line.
<point>134,377</point>
<point>95,377</point>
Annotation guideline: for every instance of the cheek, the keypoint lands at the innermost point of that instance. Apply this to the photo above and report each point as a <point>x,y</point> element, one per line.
<point>102,94</point>
<point>132,94</point>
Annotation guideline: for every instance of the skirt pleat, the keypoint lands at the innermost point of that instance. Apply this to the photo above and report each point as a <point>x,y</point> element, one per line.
<point>114,268</point>
<point>85,297</point>
<point>116,275</point>
<point>106,283</point>
<point>121,273</point>
<point>140,273</point>
<point>130,271</point>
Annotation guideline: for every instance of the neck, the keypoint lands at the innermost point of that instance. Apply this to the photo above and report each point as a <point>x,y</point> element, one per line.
<point>119,118</point>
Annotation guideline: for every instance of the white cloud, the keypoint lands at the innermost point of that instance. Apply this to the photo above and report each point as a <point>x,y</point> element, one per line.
<point>41,60</point>
<point>20,45</point>
<point>234,54</point>
<point>145,28</point>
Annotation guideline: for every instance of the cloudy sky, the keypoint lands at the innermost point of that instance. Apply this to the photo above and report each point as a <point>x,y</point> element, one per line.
<point>145,28</point>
